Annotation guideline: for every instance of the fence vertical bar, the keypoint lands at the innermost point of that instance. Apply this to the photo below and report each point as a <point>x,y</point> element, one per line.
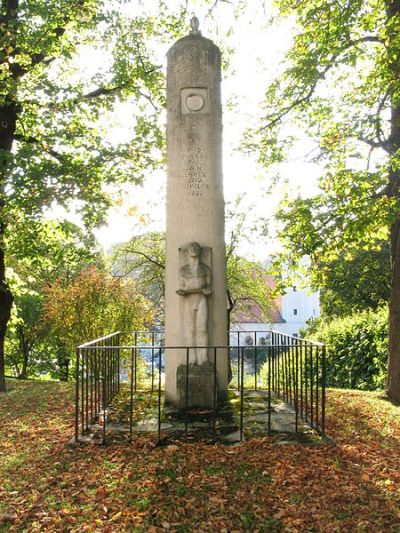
<point>316,386</point>
<point>159,395</point>
<point>95,382</point>
<point>91,386</point>
<point>295,373</point>
<point>87,391</point>
<point>116,369</point>
<point>186,390</point>
<point>135,370</point>
<point>269,389</point>
<point>119,361</point>
<point>241,391</point>
<point>107,370</point>
<point>301,378</point>
<point>238,359</point>
<point>306,373</point>
<point>323,389</point>
<point>287,356</point>
<point>104,392</point>
<point>311,387</point>
<point>285,376</point>
<point>272,352</point>
<point>152,361</point>
<point>109,377</point>
<point>278,366</point>
<point>291,371</point>
<point>100,373</point>
<point>296,388</point>
<point>112,365</point>
<point>215,393</point>
<point>255,360</point>
<point>131,398</point>
<point>77,395</point>
<point>82,392</point>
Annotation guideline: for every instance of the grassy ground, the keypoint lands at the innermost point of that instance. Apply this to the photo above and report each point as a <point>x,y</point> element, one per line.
<point>256,486</point>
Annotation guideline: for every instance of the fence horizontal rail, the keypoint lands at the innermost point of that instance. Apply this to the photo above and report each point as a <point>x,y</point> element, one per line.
<point>100,339</point>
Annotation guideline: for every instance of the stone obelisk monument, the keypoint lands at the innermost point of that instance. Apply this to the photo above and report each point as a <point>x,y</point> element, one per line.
<point>195,292</point>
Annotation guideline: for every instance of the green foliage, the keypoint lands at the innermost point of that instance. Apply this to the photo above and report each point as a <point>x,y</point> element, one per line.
<point>42,250</point>
<point>41,253</point>
<point>356,349</point>
<point>92,305</point>
<point>338,86</point>
<point>25,342</point>
<point>63,146</point>
<point>143,259</point>
<point>359,282</point>
<point>247,287</point>
<point>65,66</point>
<point>341,87</point>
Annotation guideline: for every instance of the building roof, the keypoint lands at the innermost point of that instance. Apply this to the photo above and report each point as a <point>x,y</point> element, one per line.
<point>251,312</point>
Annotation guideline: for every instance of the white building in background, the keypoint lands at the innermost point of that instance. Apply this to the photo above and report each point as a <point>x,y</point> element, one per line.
<point>298,307</point>
<point>289,315</point>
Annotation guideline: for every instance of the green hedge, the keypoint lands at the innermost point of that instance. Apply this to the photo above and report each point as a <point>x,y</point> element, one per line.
<point>356,348</point>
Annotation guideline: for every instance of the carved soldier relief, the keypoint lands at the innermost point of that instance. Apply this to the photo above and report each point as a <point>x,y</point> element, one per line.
<point>195,287</point>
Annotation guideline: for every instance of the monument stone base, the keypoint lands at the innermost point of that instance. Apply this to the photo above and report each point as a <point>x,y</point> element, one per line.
<point>200,386</point>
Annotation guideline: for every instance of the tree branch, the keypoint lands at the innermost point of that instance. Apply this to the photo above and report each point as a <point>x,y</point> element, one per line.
<point>274,119</point>
<point>46,147</point>
<point>379,132</point>
<point>103,91</point>
<point>100,91</point>
<point>372,144</point>
<point>147,257</point>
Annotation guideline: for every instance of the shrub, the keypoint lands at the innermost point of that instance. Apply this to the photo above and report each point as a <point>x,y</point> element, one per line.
<point>356,349</point>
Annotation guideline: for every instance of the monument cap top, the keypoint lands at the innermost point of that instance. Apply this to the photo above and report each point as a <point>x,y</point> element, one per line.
<point>194,38</point>
<point>194,24</point>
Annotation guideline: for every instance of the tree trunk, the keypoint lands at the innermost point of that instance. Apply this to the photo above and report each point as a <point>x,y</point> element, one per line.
<point>25,348</point>
<point>229,308</point>
<point>63,361</point>
<point>24,369</point>
<point>67,362</point>
<point>8,120</point>
<point>393,379</point>
<point>6,301</point>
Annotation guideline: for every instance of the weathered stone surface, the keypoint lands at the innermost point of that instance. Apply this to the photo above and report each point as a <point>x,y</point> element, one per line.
<point>199,382</point>
<point>195,201</point>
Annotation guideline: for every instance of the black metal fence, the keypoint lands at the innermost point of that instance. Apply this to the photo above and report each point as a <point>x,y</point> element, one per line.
<point>283,366</point>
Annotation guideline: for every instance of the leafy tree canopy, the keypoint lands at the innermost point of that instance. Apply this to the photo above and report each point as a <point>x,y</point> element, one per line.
<point>143,259</point>
<point>42,253</point>
<point>93,305</point>
<point>359,281</point>
<point>62,147</point>
<point>341,85</point>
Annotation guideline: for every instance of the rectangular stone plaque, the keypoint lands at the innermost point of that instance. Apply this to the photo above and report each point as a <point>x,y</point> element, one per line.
<point>200,386</point>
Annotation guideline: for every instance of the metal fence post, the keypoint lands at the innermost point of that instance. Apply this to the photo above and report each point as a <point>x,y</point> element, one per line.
<point>186,391</point>
<point>159,395</point>
<point>323,400</point>
<point>131,399</point>
<point>241,392</point>
<point>77,396</point>
<point>104,393</point>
